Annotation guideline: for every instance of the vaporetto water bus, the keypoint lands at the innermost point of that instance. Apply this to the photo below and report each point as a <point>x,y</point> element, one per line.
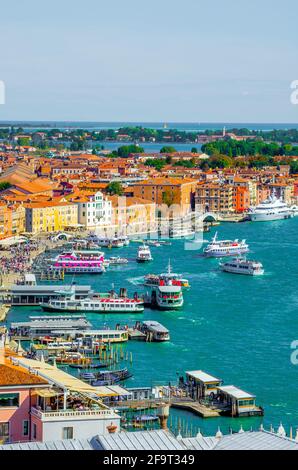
<point>98,303</point>
<point>221,248</point>
<point>243,266</point>
<point>165,297</point>
<point>156,279</point>
<point>271,209</point>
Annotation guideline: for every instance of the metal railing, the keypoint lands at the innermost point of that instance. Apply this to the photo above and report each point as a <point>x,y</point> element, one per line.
<point>71,413</point>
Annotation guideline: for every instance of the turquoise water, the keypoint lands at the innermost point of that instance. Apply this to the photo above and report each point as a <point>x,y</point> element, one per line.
<point>238,328</point>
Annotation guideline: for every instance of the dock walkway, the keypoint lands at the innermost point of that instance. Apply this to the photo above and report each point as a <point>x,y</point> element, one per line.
<point>196,408</point>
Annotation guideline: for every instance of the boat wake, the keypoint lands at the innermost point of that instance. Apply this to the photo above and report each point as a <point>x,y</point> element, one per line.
<point>136,281</point>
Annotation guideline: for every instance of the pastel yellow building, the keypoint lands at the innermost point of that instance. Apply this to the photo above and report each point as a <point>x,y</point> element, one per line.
<point>50,216</point>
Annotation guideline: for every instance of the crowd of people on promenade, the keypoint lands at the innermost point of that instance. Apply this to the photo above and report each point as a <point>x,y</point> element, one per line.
<point>18,259</point>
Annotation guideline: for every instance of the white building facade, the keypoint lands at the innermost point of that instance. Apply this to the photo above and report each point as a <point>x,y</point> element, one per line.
<point>96,212</point>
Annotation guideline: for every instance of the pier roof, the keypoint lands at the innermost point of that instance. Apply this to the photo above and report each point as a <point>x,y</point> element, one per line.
<point>235,392</point>
<point>203,376</point>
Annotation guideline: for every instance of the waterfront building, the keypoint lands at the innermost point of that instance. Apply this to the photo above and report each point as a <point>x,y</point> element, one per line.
<point>94,211</point>
<point>215,197</point>
<point>169,191</point>
<point>223,198</point>
<point>133,215</point>
<point>50,216</point>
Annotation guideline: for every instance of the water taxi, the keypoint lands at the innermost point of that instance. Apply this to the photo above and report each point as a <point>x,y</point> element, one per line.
<point>220,248</point>
<point>243,266</point>
<point>144,254</point>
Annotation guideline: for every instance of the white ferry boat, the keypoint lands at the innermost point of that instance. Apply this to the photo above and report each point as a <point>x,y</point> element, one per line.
<point>220,248</point>
<point>144,254</point>
<point>156,279</point>
<point>243,266</point>
<point>80,262</point>
<point>165,297</point>
<point>98,303</point>
<point>271,209</point>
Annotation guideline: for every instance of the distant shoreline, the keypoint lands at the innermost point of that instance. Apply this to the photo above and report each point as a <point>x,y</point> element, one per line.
<point>186,126</point>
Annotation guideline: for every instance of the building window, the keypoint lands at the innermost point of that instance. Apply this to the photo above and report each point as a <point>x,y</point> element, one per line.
<point>67,433</point>
<point>25,428</point>
<point>4,432</point>
<point>9,400</point>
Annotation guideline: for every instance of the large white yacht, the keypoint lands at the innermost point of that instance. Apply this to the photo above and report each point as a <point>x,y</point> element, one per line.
<point>220,248</point>
<point>271,209</point>
<point>243,266</point>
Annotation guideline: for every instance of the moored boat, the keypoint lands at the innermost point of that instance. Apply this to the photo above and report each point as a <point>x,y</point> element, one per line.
<point>98,303</point>
<point>271,209</point>
<point>80,262</point>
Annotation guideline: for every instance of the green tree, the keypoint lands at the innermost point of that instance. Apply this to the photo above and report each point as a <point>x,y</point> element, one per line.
<point>168,149</point>
<point>125,150</point>
<point>194,150</point>
<point>168,197</point>
<point>4,185</point>
<point>114,188</point>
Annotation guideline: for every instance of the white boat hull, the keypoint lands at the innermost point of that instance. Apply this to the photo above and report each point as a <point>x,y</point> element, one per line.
<point>81,270</point>
<point>102,309</point>
<point>225,253</point>
<point>255,217</point>
<point>247,272</point>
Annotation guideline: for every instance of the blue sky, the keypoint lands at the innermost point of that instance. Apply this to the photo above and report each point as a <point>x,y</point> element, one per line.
<point>160,60</point>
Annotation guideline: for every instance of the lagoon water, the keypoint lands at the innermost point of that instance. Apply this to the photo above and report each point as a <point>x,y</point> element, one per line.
<point>238,328</point>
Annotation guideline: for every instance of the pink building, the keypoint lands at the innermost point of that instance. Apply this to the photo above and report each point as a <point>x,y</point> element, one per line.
<point>16,399</point>
<point>39,402</point>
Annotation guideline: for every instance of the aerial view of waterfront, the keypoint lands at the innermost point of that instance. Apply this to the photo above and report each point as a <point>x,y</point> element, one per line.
<point>236,327</point>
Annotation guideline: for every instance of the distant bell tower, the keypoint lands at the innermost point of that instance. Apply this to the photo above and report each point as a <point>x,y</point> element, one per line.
<point>224,131</point>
